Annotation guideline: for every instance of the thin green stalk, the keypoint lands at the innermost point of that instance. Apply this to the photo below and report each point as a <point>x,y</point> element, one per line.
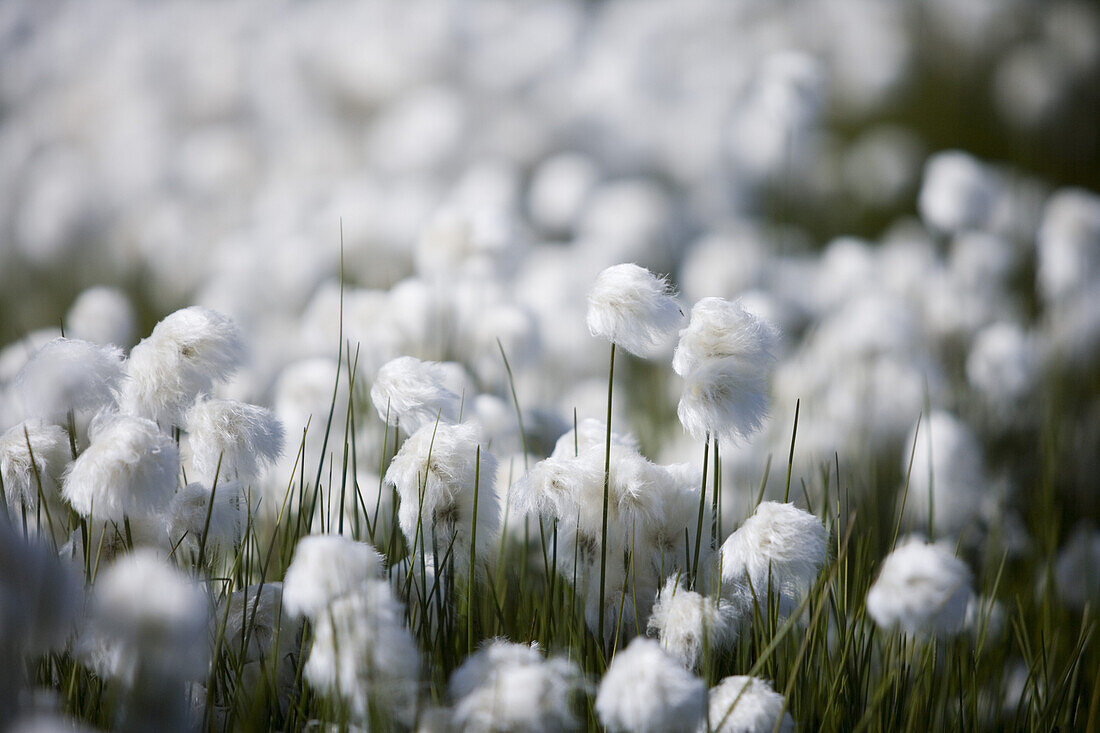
<point>606,494</point>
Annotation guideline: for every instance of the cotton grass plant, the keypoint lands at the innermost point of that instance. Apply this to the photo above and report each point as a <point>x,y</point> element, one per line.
<point>447,592</point>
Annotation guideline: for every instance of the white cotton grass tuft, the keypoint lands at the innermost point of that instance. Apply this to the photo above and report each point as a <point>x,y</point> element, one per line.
<point>507,686</point>
<point>412,394</point>
<point>1068,246</point>
<point>185,355</point>
<point>921,589</point>
<point>1003,367</point>
<point>590,433</point>
<point>743,704</point>
<point>363,653</point>
<point>957,193</point>
<point>49,446</point>
<point>68,374</point>
<point>1077,567</point>
<point>326,568</point>
<point>102,315</point>
<point>186,517</point>
<point>244,439</point>
<point>435,473</point>
<point>780,547</point>
<point>129,469</point>
<point>688,624</point>
<point>146,619</point>
<point>644,689</point>
<point>725,356</point>
<point>947,481</point>
<point>633,308</point>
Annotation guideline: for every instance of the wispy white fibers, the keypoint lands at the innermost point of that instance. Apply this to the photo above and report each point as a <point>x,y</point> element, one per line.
<point>687,623</point>
<point>326,568</point>
<point>590,433</point>
<point>413,393</point>
<point>362,652</point>
<point>129,469</point>
<point>947,479</point>
<point>1003,367</point>
<point>147,629</point>
<point>645,689</point>
<point>780,547</point>
<point>49,444</point>
<point>742,704</point>
<point>186,517</point>
<point>102,315</point>
<point>725,356</point>
<point>185,355</point>
<point>506,686</point>
<point>922,589</point>
<point>244,438</point>
<point>67,374</point>
<point>435,473</point>
<point>633,308</point>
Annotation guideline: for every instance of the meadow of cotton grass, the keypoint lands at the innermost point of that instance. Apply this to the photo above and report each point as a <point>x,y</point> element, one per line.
<point>629,366</point>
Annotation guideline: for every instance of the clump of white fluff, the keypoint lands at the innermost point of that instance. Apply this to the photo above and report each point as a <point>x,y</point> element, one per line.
<point>184,356</point>
<point>413,393</point>
<point>958,192</point>
<point>1077,568</point>
<point>687,623</point>
<point>780,546</point>
<point>633,308</point>
<point>590,433</point>
<point>146,618</point>
<point>922,589</point>
<point>102,315</point>
<point>947,479</point>
<point>129,469</point>
<point>1069,246</point>
<point>742,704</point>
<point>67,374</point>
<point>506,686</point>
<point>49,445</point>
<point>186,518</point>
<point>326,568</point>
<point>725,356</point>
<point>435,473</point>
<point>244,438</point>
<point>644,689</point>
<point>1003,366</point>
<point>362,650</point>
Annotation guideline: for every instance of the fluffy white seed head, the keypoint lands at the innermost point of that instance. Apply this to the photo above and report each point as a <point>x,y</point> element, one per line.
<point>1077,567</point>
<point>1069,245</point>
<point>245,438</point>
<point>742,704</point>
<point>185,355</point>
<point>129,469</point>
<point>413,394</point>
<point>687,623</point>
<point>435,474</point>
<point>326,568</point>
<point>67,374</point>
<point>922,589</point>
<point>958,192</point>
<point>720,329</point>
<point>186,517</point>
<point>645,689</point>
<point>255,615</point>
<point>506,686</point>
<point>947,478</point>
<point>102,315</point>
<point>633,308</point>
<point>49,446</point>
<point>725,356</point>
<point>1003,366</point>
<point>146,617</point>
<point>363,653</point>
<point>590,433</point>
<point>780,546</point>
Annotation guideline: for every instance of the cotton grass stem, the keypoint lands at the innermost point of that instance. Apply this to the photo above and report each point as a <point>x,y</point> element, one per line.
<point>606,492</point>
